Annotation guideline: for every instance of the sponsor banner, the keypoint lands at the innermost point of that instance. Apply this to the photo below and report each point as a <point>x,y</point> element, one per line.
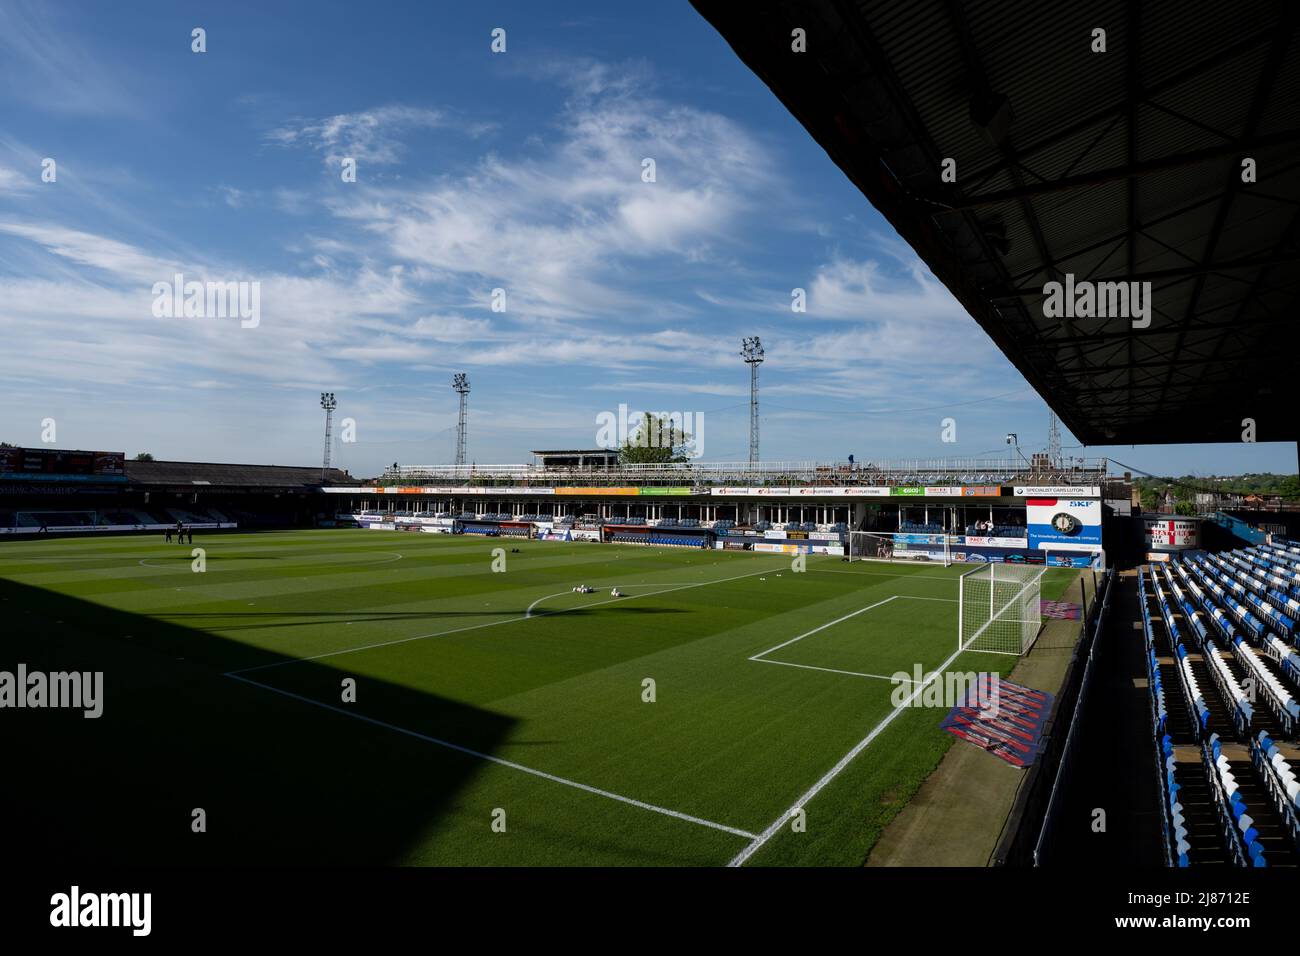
<point>814,491</point>
<point>1072,524</point>
<point>1057,491</point>
<point>975,541</point>
<point>907,491</point>
<point>435,490</point>
<point>942,492</point>
<point>773,548</point>
<point>918,539</point>
<point>917,552</point>
<point>982,491</point>
<point>382,526</point>
<point>434,529</point>
<point>774,535</point>
<point>556,536</point>
<point>590,492</point>
<point>584,534</point>
<point>1171,534</point>
<point>1072,561</point>
<point>836,491</point>
<point>825,536</point>
<point>667,490</point>
<point>1080,546</point>
<point>997,556</point>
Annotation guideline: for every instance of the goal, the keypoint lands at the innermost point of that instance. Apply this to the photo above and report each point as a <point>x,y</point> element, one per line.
<point>998,608</point>
<point>874,546</point>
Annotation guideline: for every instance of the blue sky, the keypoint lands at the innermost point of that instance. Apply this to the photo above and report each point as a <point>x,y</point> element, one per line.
<point>475,171</point>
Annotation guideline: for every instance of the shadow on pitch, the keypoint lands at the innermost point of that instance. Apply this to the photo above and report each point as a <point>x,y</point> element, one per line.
<point>261,620</point>
<point>281,781</point>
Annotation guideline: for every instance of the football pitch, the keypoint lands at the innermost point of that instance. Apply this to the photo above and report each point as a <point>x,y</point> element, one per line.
<point>367,697</point>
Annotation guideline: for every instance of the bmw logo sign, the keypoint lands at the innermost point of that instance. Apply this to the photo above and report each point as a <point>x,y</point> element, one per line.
<point>1065,523</point>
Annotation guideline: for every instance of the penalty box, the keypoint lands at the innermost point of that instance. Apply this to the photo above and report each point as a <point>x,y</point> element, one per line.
<point>877,641</point>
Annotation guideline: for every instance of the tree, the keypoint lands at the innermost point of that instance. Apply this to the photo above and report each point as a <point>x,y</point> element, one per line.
<point>144,456</point>
<point>656,441</point>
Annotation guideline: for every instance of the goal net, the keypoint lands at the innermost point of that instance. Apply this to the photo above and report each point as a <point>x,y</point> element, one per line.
<point>874,546</point>
<point>998,608</point>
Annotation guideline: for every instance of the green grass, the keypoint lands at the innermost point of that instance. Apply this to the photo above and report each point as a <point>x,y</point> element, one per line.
<point>446,655</point>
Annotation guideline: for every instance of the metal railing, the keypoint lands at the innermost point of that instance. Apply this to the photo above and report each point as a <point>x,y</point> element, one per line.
<point>917,471</point>
<point>1094,621</point>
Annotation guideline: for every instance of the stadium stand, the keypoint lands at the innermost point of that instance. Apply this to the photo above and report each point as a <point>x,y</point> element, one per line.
<point>1252,807</point>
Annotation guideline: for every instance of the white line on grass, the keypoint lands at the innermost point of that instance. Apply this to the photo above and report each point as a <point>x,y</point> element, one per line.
<point>599,588</point>
<point>474,627</point>
<point>740,858</point>
<point>735,831</point>
<point>886,574</point>
<point>832,670</point>
<point>761,659</point>
<point>838,620</point>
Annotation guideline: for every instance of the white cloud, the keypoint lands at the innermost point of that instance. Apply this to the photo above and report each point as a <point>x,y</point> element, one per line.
<point>370,136</point>
<point>560,224</point>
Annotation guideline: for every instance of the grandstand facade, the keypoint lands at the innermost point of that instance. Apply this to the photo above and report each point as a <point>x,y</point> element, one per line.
<point>969,509</point>
<point>974,509</point>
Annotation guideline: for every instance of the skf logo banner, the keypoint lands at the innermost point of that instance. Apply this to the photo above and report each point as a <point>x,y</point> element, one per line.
<point>1073,523</point>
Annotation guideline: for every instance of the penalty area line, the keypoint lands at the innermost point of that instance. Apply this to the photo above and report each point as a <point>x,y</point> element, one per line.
<point>564,781</point>
<point>758,842</point>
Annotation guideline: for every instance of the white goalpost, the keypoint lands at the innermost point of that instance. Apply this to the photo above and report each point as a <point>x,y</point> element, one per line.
<point>998,608</point>
<point>875,546</point>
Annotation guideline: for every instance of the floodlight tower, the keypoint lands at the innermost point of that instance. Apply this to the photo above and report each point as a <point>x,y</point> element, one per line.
<point>328,403</point>
<point>460,384</point>
<point>751,350</point>
<point>1053,440</point>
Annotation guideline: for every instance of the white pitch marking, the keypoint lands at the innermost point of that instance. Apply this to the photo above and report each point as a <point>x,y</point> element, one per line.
<point>672,585</point>
<point>861,610</point>
<point>761,659</point>
<point>740,858</point>
<point>475,627</point>
<point>735,831</point>
<point>886,574</point>
<point>832,670</point>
